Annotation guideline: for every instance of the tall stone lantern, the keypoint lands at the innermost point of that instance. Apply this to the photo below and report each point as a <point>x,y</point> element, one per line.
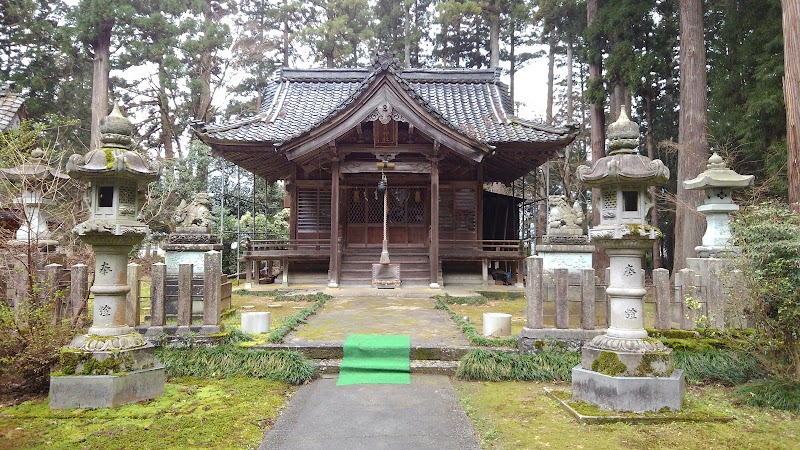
<point>622,370</point>
<point>717,182</point>
<point>111,364</point>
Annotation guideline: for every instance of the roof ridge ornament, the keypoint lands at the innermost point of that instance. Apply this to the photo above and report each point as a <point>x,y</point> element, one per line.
<point>385,60</point>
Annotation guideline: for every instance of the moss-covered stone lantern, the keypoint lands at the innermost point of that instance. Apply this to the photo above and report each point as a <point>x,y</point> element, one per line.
<point>121,364</point>
<point>611,361</point>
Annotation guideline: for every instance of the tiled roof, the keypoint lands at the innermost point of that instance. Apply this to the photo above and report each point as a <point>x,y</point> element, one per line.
<point>10,104</point>
<point>473,102</point>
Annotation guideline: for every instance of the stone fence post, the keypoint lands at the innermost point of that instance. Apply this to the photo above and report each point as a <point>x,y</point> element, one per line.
<point>53,274</point>
<point>686,297</point>
<point>132,304</point>
<point>158,289</point>
<point>78,290</point>
<point>184,299</point>
<point>661,294</point>
<point>561,279</point>
<point>587,299</point>
<point>534,293</point>
<point>212,292</point>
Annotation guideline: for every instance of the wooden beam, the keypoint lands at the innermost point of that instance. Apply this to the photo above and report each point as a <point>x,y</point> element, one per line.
<point>434,248</point>
<point>334,262</point>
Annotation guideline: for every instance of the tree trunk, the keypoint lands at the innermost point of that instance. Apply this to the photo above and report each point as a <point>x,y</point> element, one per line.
<point>494,34</point>
<point>513,70</point>
<point>102,53</point>
<point>163,106</point>
<point>791,94</point>
<point>551,63</point>
<point>570,104</point>
<point>692,140</point>
<point>598,139</point>
<point>650,144</point>
<point>285,34</point>
<point>407,35</point>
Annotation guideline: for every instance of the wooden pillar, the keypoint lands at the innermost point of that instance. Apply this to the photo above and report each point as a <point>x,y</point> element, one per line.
<point>285,274</point>
<point>248,274</point>
<point>333,272</point>
<point>291,190</point>
<point>434,248</point>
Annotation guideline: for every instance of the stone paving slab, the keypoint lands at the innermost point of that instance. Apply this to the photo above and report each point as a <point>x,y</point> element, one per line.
<point>380,315</point>
<point>423,415</point>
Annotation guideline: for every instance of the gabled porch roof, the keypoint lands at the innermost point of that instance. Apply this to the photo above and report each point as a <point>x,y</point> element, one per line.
<point>467,111</point>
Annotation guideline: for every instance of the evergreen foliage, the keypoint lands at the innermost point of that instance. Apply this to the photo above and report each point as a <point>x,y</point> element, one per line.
<point>769,237</point>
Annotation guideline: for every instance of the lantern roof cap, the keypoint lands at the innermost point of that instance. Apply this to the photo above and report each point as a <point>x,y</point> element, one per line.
<point>717,174</point>
<point>114,157</point>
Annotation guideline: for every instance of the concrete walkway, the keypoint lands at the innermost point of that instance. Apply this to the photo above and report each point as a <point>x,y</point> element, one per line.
<point>423,415</point>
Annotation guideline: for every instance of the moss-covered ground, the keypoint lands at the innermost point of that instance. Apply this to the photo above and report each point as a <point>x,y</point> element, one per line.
<point>518,415</point>
<point>280,307</point>
<point>515,307</point>
<point>193,413</point>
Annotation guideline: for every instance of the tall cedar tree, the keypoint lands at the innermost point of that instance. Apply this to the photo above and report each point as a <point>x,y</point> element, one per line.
<point>692,140</point>
<point>791,86</point>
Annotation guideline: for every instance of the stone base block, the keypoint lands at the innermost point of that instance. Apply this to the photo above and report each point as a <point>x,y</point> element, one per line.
<point>572,257</point>
<point>386,276</point>
<point>534,340</point>
<point>637,394</point>
<point>630,364</point>
<point>104,391</point>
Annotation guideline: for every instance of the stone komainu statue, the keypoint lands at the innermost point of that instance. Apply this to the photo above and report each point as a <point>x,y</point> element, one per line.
<point>562,216</point>
<point>195,214</point>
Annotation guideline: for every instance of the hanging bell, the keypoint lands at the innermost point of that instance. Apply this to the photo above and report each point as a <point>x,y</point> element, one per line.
<point>382,186</point>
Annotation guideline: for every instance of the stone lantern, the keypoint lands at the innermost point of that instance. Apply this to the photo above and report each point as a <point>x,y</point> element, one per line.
<point>111,364</point>
<point>622,370</point>
<point>32,176</point>
<point>717,181</point>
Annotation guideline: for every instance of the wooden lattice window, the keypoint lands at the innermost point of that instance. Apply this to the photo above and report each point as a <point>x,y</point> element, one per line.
<point>457,210</point>
<point>313,210</point>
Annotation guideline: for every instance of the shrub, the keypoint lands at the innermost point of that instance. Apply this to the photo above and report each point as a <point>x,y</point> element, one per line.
<point>30,341</point>
<point>769,237</point>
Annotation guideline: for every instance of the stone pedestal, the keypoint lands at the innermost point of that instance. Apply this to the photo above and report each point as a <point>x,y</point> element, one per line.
<point>188,245</point>
<point>386,276</point>
<point>568,251</point>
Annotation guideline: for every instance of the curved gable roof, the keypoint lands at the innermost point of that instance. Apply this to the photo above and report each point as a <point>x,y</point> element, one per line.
<point>472,102</point>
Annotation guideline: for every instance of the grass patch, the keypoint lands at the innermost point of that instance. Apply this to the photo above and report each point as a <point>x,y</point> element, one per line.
<point>469,330</point>
<point>282,295</point>
<point>193,413</point>
<point>502,295</point>
<point>777,394</point>
<point>517,415</point>
<point>487,365</point>
<point>228,362</point>
<point>728,367</point>
<point>454,300</point>
<point>290,323</point>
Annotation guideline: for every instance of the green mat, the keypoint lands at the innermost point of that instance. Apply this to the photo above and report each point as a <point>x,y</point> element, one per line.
<point>375,359</point>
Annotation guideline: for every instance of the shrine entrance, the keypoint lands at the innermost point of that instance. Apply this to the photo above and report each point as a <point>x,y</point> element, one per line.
<point>407,218</point>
